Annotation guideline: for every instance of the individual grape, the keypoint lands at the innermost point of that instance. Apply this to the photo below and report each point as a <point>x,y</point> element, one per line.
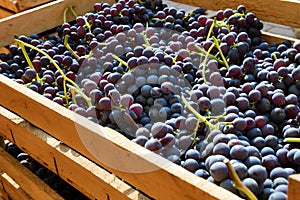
<point>168,140</point>
<point>221,149</point>
<point>193,154</point>
<point>202,173</point>
<point>175,159</point>
<point>276,195</point>
<point>191,165</point>
<point>141,140</point>
<point>219,171</point>
<point>239,152</point>
<point>252,160</point>
<point>280,181</point>
<point>282,156</point>
<point>239,124</point>
<point>241,170</point>
<point>296,157</point>
<point>153,144</point>
<point>258,173</point>
<point>252,185</point>
<point>270,162</point>
<point>281,188</point>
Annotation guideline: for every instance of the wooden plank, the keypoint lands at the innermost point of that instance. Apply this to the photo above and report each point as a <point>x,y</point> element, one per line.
<point>30,183</point>
<point>49,16</point>
<point>26,4</point>
<point>3,193</point>
<point>9,4</point>
<point>12,189</point>
<point>276,11</point>
<point>94,181</point>
<point>5,13</point>
<point>271,37</point>
<point>141,168</point>
<point>293,187</point>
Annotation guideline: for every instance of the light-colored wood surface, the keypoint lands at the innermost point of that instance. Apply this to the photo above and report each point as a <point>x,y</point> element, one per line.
<point>26,180</point>
<point>41,18</point>
<point>141,168</point>
<point>271,37</point>
<point>86,176</point>
<point>276,11</point>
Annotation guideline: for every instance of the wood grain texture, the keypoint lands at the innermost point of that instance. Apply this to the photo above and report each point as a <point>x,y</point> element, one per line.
<point>276,11</point>
<point>12,189</point>
<point>49,16</point>
<point>5,13</point>
<point>293,187</point>
<point>141,168</point>
<point>9,4</point>
<point>94,181</point>
<point>26,4</point>
<point>27,181</point>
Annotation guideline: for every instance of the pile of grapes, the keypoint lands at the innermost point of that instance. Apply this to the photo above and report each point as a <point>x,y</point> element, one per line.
<point>195,90</point>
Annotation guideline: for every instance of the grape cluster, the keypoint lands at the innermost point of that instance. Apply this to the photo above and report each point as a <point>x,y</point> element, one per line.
<point>195,90</point>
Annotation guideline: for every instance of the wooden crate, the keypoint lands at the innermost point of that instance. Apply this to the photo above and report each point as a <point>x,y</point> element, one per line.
<point>49,133</point>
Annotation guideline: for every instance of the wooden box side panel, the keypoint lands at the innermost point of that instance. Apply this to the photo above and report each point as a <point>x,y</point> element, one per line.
<point>26,4</point>
<point>94,182</point>
<point>9,5</point>
<point>293,187</point>
<point>24,182</point>
<point>5,13</point>
<point>9,189</point>
<point>21,5</point>
<point>276,11</point>
<point>115,151</point>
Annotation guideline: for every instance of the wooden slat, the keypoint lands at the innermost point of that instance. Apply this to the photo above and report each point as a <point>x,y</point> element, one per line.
<point>41,18</point>
<point>271,37</point>
<point>30,183</point>
<point>276,11</point>
<point>3,193</point>
<point>12,189</point>
<point>293,187</point>
<point>26,4</point>
<point>143,169</point>
<point>9,4</point>
<point>5,13</point>
<point>94,182</point>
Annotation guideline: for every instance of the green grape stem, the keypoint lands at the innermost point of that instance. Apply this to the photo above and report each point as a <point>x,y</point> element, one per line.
<point>209,55</point>
<point>66,44</point>
<point>237,183</point>
<point>87,99</point>
<point>291,140</point>
<point>211,29</point>
<point>65,13</point>
<point>200,117</point>
<point>216,42</point>
<point>145,39</point>
<point>205,62</point>
<point>120,60</point>
<point>22,44</point>
<point>29,61</point>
